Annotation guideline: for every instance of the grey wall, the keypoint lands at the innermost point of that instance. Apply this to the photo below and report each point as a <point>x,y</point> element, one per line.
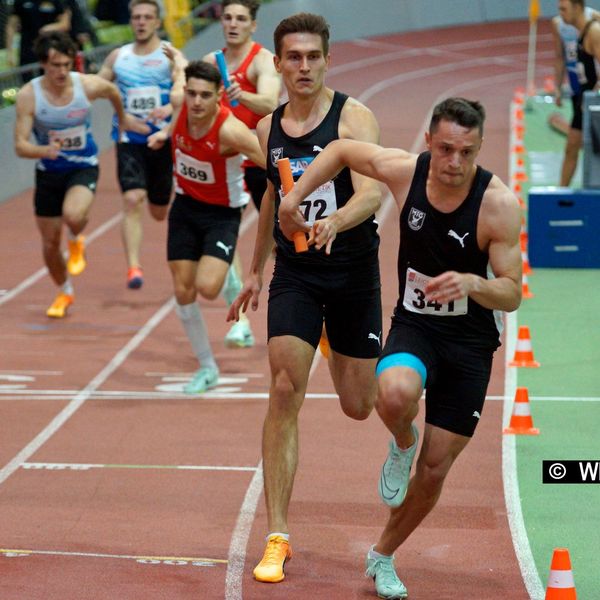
<point>348,19</point>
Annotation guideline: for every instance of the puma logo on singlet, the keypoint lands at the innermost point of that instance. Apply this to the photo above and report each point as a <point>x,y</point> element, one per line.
<point>372,336</point>
<point>226,249</point>
<point>455,235</point>
<point>317,149</point>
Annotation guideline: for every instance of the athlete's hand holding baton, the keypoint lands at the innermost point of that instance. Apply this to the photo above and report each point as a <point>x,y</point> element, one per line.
<point>291,221</point>
<point>222,66</point>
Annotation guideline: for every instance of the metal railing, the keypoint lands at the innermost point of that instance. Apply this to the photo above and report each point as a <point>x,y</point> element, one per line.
<point>11,80</point>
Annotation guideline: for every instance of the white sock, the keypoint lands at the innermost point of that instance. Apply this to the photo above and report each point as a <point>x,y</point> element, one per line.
<point>195,328</point>
<point>374,554</point>
<point>67,287</point>
<point>285,536</point>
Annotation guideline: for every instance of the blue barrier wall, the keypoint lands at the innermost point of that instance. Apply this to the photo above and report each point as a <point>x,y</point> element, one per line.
<point>348,19</point>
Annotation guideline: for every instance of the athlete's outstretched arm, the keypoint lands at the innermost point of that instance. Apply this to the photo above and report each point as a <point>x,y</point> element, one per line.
<point>388,165</point>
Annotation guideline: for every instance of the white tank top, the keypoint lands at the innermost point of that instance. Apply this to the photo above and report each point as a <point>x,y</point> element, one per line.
<point>69,124</point>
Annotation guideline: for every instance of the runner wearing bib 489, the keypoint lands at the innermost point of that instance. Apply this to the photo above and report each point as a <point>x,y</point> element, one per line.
<point>144,75</point>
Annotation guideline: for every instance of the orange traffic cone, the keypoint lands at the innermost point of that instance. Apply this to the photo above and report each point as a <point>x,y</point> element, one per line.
<point>523,352</point>
<point>526,292</point>
<point>324,344</point>
<point>526,266</point>
<point>561,585</point>
<point>520,420</point>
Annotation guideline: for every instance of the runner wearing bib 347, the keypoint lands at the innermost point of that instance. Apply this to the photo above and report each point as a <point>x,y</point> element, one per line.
<point>459,265</point>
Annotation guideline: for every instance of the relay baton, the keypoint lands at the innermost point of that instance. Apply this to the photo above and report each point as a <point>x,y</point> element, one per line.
<point>222,66</point>
<point>287,181</point>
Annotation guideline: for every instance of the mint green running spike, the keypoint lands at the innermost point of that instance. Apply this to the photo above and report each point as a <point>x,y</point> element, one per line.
<point>395,473</point>
<point>387,583</point>
<point>202,380</point>
<point>232,286</point>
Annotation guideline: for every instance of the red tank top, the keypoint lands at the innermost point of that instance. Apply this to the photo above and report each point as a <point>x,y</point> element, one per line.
<point>200,170</point>
<point>243,113</point>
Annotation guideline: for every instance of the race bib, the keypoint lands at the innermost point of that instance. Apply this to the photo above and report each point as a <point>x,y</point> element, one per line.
<point>414,298</point>
<point>142,101</point>
<point>192,169</point>
<point>318,205</point>
<point>71,138</point>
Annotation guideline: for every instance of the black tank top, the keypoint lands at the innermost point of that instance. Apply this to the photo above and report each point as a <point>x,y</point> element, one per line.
<point>432,242</point>
<point>352,247</point>
<point>587,61</point>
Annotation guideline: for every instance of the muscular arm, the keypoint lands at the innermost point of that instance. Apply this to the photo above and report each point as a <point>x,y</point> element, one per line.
<point>394,167</point>
<point>263,244</point>
<point>268,86</point>
<point>358,123</point>
<point>592,40</point>
<point>106,70</point>
<point>25,108</point>
<point>235,136</point>
<point>98,87</point>
<point>499,221</point>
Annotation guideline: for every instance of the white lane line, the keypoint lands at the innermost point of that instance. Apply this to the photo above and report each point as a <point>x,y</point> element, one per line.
<point>63,416</point>
<point>166,560</point>
<point>24,395</point>
<point>46,466</point>
<point>512,496</point>
<point>236,557</point>
<point>27,283</point>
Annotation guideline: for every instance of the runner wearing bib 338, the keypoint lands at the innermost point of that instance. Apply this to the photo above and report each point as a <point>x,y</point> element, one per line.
<point>56,109</point>
<point>144,76</point>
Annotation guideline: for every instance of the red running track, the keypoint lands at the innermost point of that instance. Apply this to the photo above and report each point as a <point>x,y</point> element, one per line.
<point>94,431</point>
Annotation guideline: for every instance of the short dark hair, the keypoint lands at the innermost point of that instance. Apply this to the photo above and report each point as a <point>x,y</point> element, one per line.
<point>154,3</point>
<point>55,40</point>
<point>302,23</point>
<point>251,5</point>
<point>198,69</point>
<point>466,113</point>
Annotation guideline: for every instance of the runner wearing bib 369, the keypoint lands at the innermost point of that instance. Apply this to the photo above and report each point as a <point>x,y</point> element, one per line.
<point>209,145</point>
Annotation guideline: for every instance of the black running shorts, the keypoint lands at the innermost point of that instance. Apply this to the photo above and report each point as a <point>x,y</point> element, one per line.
<point>347,299</point>
<point>199,229</point>
<point>457,375</point>
<point>138,167</point>
<point>51,188</point>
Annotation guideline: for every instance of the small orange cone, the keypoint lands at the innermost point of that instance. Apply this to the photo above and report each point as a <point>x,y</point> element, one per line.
<point>526,292</point>
<point>523,352</point>
<point>324,345</point>
<point>523,239</point>
<point>561,585</point>
<point>520,420</point>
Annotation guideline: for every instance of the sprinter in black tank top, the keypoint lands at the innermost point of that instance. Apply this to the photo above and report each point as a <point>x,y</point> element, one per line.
<point>573,13</point>
<point>459,264</point>
<point>336,282</point>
